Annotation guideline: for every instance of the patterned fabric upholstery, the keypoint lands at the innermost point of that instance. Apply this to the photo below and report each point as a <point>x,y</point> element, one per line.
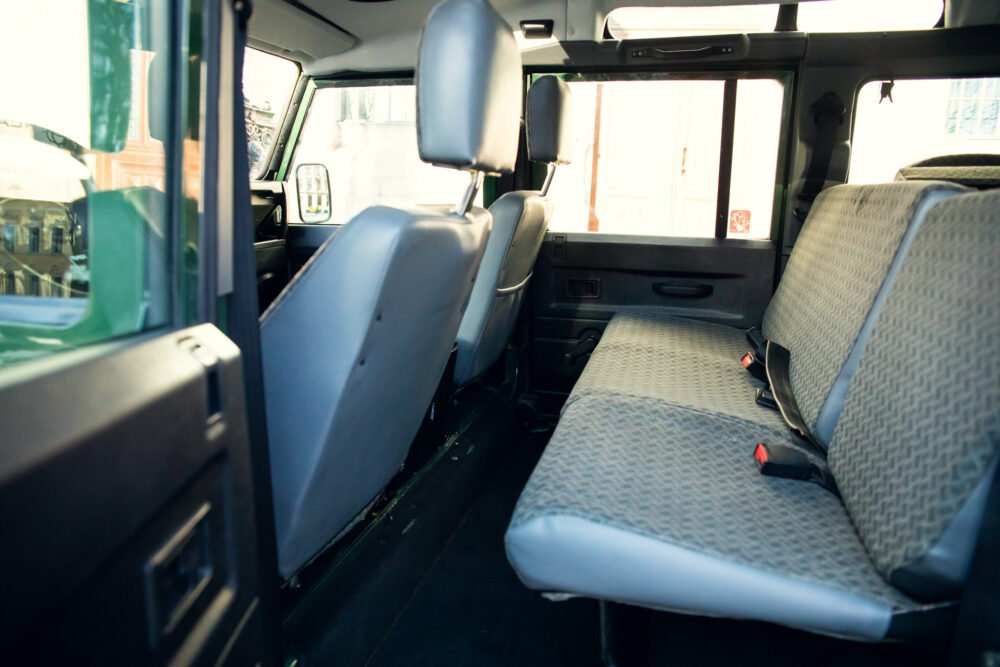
<point>688,478</point>
<point>657,331</point>
<point>922,421</point>
<point>840,261</point>
<point>647,492</point>
<point>678,376</point>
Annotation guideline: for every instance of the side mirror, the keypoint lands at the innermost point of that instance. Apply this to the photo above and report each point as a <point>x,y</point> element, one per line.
<point>312,181</point>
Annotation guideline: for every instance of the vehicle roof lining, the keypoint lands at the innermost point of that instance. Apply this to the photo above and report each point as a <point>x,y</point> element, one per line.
<point>328,36</point>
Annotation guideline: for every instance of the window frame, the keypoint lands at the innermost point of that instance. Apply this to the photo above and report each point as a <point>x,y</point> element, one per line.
<point>786,77</point>
<point>915,76</point>
<point>296,122</point>
<point>312,86</point>
<point>288,114</point>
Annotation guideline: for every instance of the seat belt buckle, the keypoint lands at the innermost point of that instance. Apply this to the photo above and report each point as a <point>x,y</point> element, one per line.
<point>783,461</point>
<point>763,396</point>
<point>757,341</point>
<point>754,366</point>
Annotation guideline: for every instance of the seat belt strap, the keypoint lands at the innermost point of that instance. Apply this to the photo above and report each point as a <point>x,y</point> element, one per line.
<point>828,114</point>
<point>777,365</point>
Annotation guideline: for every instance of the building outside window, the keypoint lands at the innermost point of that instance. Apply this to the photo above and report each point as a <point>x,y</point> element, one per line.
<point>973,108</point>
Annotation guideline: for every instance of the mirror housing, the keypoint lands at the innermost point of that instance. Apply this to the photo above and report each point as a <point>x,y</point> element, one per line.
<point>312,183</point>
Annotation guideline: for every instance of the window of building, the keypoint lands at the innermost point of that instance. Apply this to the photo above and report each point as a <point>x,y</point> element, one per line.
<point>268,81</point>
<point>649,157</point>
<point>973,106</point>
<point>58,238</point>
<point>950,116</point>
<point>819,16</point>
<point>34,239</point>
<point>366,138</point>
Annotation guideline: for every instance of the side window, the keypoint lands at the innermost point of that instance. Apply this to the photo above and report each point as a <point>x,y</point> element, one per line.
<point>364,138</point>
<point>950,116</point>
<point>85,195</point>
<point>650,155</point>
<point>267,86</point>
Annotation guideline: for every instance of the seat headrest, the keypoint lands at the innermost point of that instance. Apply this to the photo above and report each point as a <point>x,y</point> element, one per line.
<point>468,88</point>
<point>550,121</point>
<point>976,170</point>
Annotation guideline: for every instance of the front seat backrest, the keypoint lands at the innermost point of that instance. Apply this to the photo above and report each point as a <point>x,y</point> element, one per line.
<point>354,347</point>
<point>519,222</point>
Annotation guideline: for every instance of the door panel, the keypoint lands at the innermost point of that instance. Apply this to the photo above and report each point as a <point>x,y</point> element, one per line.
<point>582,280</point>
<point>304,240</point>
<point>125,504</point>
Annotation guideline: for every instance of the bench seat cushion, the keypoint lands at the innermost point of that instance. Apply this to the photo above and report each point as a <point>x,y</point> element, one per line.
<point>647,503</point>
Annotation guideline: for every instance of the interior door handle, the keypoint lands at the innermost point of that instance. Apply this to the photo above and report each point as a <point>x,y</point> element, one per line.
<point>683,54</point>
<point>683,291</point>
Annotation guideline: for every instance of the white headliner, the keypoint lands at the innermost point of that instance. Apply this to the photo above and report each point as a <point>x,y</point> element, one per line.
<point>383,35</point>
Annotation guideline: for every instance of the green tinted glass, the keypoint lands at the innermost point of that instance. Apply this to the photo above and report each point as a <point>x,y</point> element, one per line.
<point>92,172</point>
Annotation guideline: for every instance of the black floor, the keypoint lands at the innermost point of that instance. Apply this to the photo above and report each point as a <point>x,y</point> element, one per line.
<point>470,609</point>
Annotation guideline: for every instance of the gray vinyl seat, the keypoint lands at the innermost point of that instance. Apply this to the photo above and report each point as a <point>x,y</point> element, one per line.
<point>649,501</point>
<point>367,326</point>
<point>520,219</point>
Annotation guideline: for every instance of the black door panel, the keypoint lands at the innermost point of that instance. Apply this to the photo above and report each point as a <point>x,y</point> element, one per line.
<point>128,502</point>
<point>267,200</point>
<point>582,280</point>
<point>304,240</point>
<point>272,270</point>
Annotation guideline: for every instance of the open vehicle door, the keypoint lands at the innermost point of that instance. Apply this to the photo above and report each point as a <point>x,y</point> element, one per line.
<point>127,528</point>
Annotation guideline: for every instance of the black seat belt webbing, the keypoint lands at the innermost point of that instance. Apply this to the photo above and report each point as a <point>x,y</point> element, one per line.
<point>777,364</point>
<point>244,330</point>
<point>828,115</point>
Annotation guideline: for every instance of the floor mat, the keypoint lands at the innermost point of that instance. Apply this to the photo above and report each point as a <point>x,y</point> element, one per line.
<point>472,610</point>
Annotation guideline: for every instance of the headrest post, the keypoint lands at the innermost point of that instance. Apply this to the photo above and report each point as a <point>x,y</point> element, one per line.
<point>549,173</point>
<point>470,194</point>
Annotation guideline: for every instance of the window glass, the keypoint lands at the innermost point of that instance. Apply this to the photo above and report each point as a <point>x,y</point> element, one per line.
<point>755,157</point>
<point>868,16</point>
<point>366,138</point>
<point>949,116</point>
<point>821,16</point>
<point>268,81</point>
<point>84,233</point>
<point>646,158</point>
<point>651,22</point>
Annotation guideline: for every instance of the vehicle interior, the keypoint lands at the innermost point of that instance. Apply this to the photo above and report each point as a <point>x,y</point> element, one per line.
<point>500,332</point>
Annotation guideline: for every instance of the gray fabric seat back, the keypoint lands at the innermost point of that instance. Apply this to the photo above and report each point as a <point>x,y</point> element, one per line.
<point>520,219</point>
<point>845,259</point>
<point>975,170</point>
<point>921,426</point>
<point>355,346</point>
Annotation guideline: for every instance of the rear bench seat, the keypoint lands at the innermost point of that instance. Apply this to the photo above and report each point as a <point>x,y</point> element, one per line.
<point>854,238</point>
<point>647,493</point>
